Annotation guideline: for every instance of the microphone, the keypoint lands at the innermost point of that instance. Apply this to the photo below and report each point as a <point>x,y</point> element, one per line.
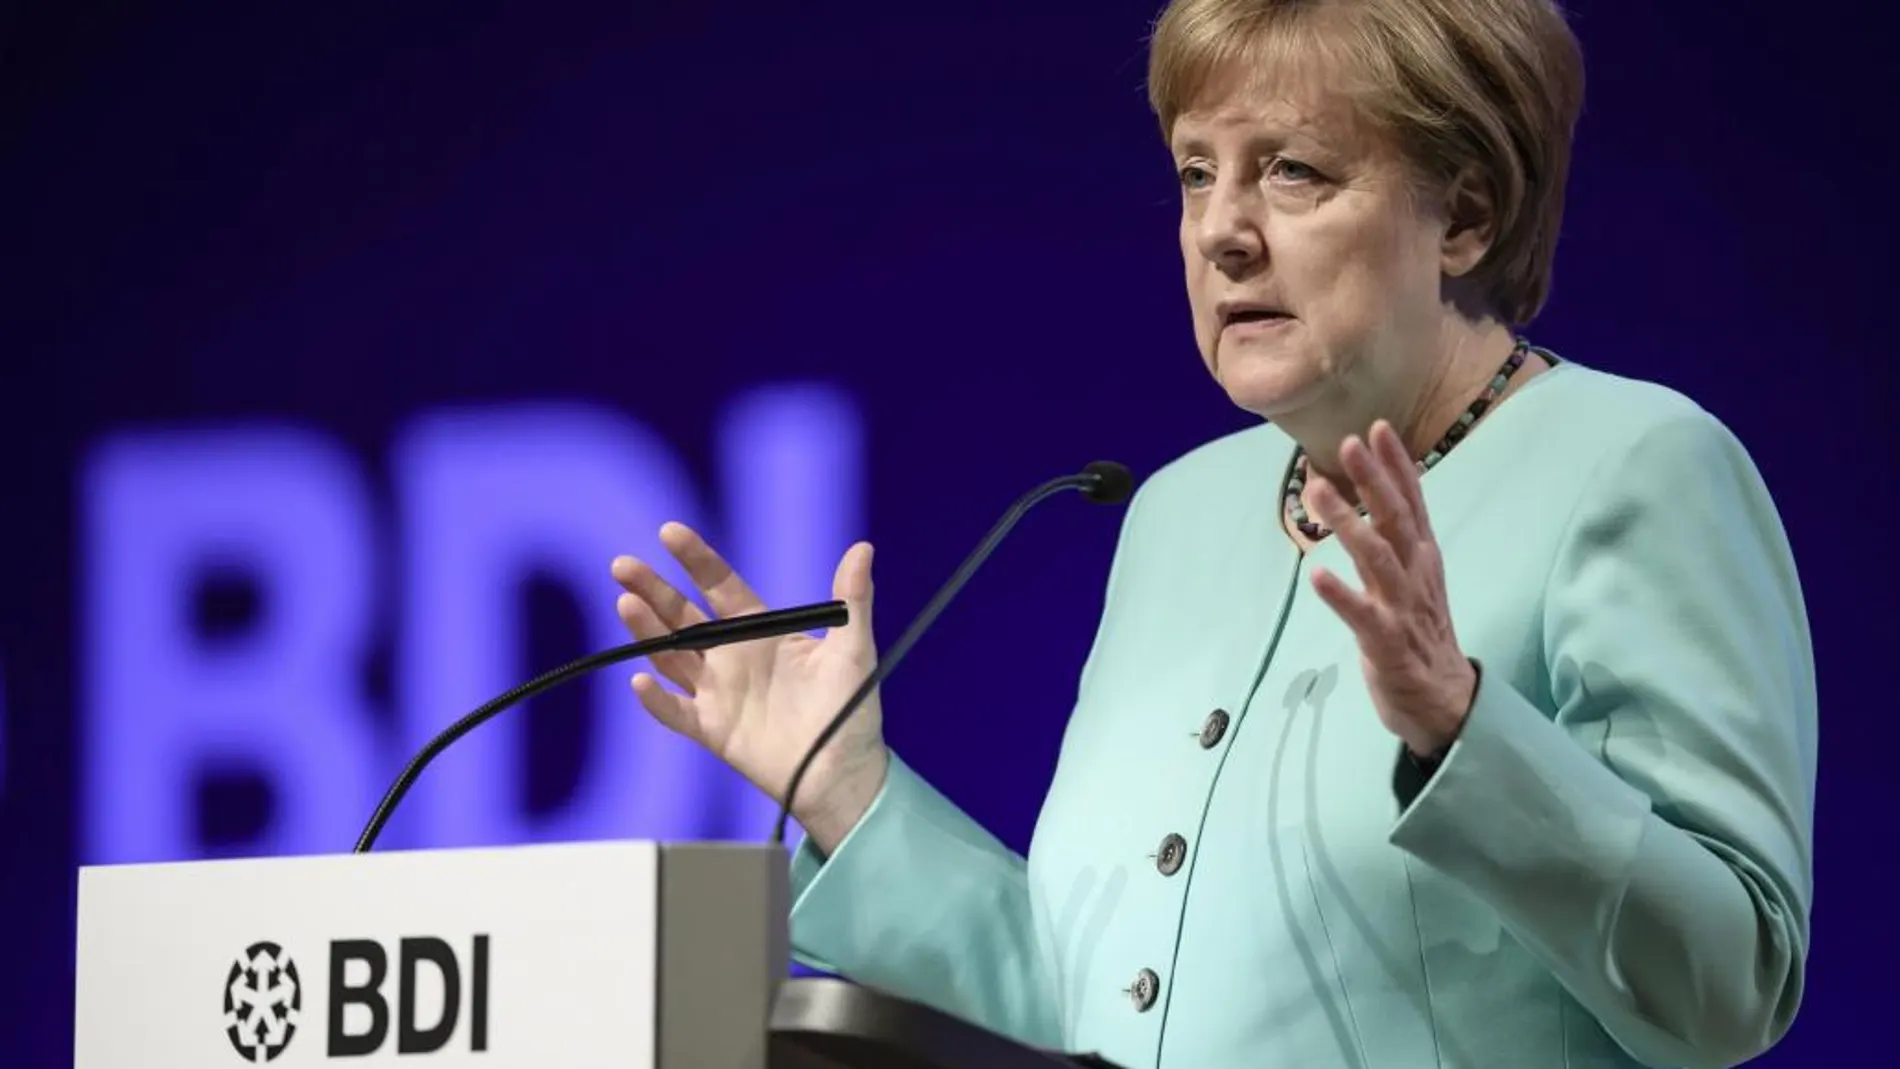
<point>700,636</point>
<point>1103,482</point>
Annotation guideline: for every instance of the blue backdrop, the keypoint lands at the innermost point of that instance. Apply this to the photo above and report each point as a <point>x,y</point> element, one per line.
<point>346,343</point>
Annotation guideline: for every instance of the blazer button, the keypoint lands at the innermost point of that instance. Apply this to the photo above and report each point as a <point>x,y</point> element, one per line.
<point>1213,728</point>
<point>1173,852</point>
<point>1144,990</point>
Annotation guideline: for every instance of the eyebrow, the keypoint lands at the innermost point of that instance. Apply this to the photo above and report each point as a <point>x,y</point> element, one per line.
<point>1304,135</point>
<point>1187,146</point>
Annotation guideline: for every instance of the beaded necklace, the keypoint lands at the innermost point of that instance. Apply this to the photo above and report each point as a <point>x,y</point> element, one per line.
<point>1296,481</point>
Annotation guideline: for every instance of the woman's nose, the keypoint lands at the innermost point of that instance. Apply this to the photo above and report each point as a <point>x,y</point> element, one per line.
<point>1229,232</point>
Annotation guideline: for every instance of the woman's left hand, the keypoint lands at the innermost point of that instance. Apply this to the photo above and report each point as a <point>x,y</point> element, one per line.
<point>1421,683</point>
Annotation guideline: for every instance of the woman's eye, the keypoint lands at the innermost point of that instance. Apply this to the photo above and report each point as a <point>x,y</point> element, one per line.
<point>1285,170</point>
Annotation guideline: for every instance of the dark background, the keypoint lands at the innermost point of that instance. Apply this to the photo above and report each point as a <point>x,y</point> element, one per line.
<point>958,219</point>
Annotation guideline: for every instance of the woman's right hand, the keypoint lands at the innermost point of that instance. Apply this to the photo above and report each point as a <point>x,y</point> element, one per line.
<point>759,705</point>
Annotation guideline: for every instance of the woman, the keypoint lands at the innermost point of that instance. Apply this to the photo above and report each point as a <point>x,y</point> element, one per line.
<point>1462,714</point>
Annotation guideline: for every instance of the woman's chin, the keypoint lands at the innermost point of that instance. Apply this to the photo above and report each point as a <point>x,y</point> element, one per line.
<point>1267,388</point>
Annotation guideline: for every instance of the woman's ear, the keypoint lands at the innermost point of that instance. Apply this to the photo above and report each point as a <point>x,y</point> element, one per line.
<point>1471,216</point>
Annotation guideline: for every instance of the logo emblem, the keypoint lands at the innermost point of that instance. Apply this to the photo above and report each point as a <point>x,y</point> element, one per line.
<point>262,1001</point>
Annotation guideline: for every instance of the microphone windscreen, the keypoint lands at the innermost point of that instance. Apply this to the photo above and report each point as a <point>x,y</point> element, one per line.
<point>1112,483</point>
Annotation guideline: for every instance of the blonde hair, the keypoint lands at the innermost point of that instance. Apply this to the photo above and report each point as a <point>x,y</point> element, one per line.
<point>1493,86</point>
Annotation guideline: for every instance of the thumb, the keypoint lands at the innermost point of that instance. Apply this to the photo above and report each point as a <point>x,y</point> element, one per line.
<point>852,585</point>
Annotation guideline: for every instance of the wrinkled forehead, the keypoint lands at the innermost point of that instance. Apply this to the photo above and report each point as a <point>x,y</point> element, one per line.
<point>1297,96</point>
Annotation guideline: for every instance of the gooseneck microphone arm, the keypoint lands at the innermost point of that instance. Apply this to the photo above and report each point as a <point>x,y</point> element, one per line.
<point>1103,482</point>
<point>697,637</point>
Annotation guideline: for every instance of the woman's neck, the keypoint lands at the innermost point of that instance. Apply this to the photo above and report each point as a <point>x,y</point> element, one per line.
<point>1421,405</point>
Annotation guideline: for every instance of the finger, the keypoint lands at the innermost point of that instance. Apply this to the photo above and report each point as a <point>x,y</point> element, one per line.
<point>1329,507</point>
<point>1405,476</point>
<point>677,713</point>
<point>673,608</point>
<point>683,667</point>
<point>851,584</point>
<point>725,591</point>
<point>1371,471</point>
<point>1379,566</point>
<point>1357,610</point>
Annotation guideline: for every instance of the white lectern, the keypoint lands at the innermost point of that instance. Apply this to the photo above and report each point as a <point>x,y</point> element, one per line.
<point>629,955</point>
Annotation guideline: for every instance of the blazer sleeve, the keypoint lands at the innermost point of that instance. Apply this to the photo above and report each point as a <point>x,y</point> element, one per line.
<point>1650,841</point>
<point>921,901</point>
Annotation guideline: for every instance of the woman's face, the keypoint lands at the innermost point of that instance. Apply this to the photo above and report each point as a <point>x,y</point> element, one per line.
<point>1314,262</point>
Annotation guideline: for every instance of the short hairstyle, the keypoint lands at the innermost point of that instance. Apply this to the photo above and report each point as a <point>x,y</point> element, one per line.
<point>1491,85</point>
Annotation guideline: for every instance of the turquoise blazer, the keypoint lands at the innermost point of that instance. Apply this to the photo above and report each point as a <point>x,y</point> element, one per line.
<point>1234,866</point>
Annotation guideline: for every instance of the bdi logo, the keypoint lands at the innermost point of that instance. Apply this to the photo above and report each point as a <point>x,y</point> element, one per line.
<point>263,998</point>
<point>412,1036</point>
<point>262,1001</point>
